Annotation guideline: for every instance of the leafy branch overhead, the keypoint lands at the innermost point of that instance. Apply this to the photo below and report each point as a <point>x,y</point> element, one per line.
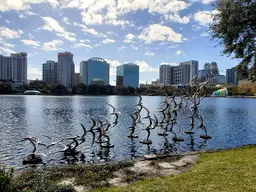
<point>234,27</point>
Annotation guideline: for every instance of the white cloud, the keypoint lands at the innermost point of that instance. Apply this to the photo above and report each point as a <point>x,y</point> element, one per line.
<point>171,63</point>
<point>83,45</point>
<point>9,45</point>
<point>129,37</point>
<point>108,11</point>
<point>6,50</point>
<point>7,5</point>
<point>66,20</point>
<point>22,16</point>
<point>89,30</point>
<point>53,45</point>
<point>204,34</point>
<point>144,67</point>
<point>97,45</point>
<point>30,42</point>
<point>156,32</point>
<point>91,18</point>
<point>149,53</point>
<point>31,36</point>
<point>178,52</point>
<point>113,63</point>
<point>117,22</point>
<point>112,33</point>
<point>34,73</point>
<point>52,25</point>
<point>177,18</point>
<point>85,40</point>
<point>106,41</point>
<point>67,35</point>
<point>207,1</point>
<point>9,33</point>
<point>30,13</point>
<point>204,18</point>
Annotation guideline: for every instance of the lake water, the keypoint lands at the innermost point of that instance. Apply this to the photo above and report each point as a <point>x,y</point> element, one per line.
<point>230,121</point>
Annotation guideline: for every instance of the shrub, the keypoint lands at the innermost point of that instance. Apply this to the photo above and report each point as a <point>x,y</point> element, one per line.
<point>6,175</point>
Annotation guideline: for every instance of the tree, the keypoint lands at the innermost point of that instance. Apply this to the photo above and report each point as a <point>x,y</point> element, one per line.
<point>234,27</point>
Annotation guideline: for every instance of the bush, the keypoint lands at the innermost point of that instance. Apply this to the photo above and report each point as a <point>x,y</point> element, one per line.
<point>6,175</point>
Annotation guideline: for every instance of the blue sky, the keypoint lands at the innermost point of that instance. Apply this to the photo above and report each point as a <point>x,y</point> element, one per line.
<point>145,32</point>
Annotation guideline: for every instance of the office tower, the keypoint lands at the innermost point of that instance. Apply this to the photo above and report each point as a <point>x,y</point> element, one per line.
<point>14,68</point>
<point>212,68</point>
<point>76,78</point>
<point>193,68</point>
<point>232,77</point>
<point>180,74</point>
<point>203,75</point>
<point>165,74</point>
<point>50,72</point>
<point>66,69</point>
<point>94,69</point>
<point>127,75</point>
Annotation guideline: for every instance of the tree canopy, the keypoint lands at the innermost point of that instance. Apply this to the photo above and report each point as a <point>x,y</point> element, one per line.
<point>234,26</point>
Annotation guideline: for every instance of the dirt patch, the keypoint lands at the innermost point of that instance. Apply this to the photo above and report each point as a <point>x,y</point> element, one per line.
<point>153,168</point>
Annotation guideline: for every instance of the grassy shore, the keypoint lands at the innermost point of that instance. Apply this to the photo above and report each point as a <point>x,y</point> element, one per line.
<point>227,170</point>
<point>231,170</point>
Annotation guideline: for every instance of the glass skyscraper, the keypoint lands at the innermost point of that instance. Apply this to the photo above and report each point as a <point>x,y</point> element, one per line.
<point>127,75</point>
<point>94,69</point>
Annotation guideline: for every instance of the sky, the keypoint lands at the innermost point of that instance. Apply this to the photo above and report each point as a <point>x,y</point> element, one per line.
<point>145,32</point>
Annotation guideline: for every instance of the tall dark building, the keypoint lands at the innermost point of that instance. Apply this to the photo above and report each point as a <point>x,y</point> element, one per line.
<point>232,77</point>
<point>14,68</point>
<point>50,72</point>
<point>212,68</point>
<point>66,69</point>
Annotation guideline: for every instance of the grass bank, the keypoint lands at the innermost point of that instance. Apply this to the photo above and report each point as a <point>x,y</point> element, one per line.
<point>231,170</point>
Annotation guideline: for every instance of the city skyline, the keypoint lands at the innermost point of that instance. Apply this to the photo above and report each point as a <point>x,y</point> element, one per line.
<point>179,33</point>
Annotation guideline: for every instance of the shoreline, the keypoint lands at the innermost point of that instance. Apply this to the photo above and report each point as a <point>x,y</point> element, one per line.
<point>105,176</point>
<point>97,95</point>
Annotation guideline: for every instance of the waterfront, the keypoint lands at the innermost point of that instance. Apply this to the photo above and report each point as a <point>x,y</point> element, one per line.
<point>230,122</point>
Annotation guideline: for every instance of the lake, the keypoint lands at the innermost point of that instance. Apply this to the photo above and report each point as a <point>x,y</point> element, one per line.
<point>230,121</point>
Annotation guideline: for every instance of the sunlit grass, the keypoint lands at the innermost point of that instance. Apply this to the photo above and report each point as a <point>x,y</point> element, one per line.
<point>232,170</point>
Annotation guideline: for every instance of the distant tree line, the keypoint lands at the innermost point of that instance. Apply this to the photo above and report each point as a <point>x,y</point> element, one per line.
<point>82,89</point>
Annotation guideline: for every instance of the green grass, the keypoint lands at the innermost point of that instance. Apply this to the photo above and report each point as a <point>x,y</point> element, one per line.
<point>232,170</point>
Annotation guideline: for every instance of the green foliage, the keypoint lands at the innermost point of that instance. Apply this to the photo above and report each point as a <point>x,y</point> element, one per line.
<point>234,27</point>
<point>49,179</point>
<point>6,175</point>
<point>5,88</point>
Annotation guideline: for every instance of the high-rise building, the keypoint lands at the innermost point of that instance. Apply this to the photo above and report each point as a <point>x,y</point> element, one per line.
<point>165,74</point>
<point>193,68</point>
<point>232,77</point>
<point>50,72</point>
<point>14,68</point>
<point>66,69</point>
<point>76,78</point>
<point>94,68</point>
<point>212,68</point>
<point>180,74</point>
<point>127,75</point>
